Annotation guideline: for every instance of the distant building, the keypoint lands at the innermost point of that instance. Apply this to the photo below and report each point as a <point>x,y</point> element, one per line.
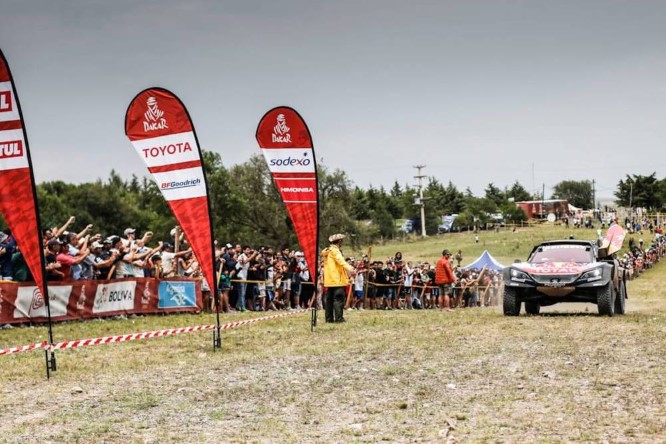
<point>539,209</point>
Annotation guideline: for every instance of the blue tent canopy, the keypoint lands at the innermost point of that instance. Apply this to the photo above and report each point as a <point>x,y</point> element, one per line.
<point>485,260</point>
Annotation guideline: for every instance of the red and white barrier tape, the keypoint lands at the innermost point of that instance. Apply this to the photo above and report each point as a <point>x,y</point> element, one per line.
<point>144,335</point>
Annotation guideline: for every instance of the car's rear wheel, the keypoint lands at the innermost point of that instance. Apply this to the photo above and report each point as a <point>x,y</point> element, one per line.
<point>605,303</point>
<point>511,303</point>
<point>621,298</point>
<point>532,307</point>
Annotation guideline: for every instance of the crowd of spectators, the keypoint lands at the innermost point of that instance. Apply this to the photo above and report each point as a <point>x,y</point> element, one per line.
<point>641,255</point>
<point>264,279</point>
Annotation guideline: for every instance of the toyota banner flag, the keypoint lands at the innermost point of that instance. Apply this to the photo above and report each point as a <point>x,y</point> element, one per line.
<point>18,203</point>
<point>161,131</point>
<point>285,140</point>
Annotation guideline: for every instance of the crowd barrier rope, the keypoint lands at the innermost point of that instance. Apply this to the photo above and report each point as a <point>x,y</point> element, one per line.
<point>136,336</point>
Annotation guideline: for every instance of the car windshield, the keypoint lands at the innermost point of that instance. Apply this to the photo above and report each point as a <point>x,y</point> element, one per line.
<point>562,253</point>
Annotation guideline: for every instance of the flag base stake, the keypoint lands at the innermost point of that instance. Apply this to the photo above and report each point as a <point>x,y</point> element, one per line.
<point>217,339</point>
<point>313,318</point>
<point>50,362</point>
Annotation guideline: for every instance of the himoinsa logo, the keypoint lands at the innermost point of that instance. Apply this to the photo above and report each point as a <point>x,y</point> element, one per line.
<point>281,130</point>
<point>172,148</point>
<point>5,101</point>
<point>292,161</point>
<point>297,190</point>
<point>182,184</point>
<point>154,119</point>
<point>12,148</point>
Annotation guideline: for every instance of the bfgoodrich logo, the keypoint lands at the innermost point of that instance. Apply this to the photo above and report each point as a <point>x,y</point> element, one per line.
<point>281,130</point>
<point>12,148</point>
<point>5,101</point>
<point>175,184</point>
<point>154,120</point>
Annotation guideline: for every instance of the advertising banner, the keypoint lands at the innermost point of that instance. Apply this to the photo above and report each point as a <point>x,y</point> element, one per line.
<point>20,303</point>
<point>176,294</point>
<point>285,141</point>
<point>160,129</point>
<point>18,203</point>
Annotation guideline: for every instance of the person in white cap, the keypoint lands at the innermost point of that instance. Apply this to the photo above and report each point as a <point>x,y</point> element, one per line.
<point>336,278</point>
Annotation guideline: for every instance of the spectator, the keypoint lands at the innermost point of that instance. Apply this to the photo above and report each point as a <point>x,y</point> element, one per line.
<point>444,279</point>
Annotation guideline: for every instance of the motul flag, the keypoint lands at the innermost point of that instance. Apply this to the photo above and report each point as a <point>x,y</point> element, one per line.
<point>159,127</point>
<point>17,190</point>
<point>285,141</point>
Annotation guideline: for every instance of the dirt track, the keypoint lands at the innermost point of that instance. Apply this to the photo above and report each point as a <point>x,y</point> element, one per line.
<point>471,375</point>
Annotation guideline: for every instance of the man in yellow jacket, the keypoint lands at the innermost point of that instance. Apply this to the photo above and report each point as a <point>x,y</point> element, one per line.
<point>337,273</point>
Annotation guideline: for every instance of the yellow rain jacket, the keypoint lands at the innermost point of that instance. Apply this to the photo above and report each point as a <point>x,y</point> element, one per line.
<point>335,267</point>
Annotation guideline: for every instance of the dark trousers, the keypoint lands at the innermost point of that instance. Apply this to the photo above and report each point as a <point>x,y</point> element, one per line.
<point>335,302</point>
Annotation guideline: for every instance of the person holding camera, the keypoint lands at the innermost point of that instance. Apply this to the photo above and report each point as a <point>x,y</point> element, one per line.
<point>336,278</point>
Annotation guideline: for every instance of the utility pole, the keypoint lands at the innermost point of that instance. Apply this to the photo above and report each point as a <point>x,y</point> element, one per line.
<point>594,196</point>
<point>420,200</point>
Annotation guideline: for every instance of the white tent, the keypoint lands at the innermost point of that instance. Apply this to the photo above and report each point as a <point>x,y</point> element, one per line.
<point>485,260</point>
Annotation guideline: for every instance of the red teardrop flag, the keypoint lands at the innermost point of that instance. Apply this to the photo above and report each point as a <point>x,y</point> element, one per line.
<point>285,141</point>
<point>17,190</point>
<point>161,131</point>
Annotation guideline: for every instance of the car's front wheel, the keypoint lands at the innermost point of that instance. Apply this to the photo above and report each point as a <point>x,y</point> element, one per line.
<point>511,303</point>
<point>621,298</point>
<point>605,303</point>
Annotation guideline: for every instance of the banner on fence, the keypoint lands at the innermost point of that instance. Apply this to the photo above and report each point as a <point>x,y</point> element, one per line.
<point>95,299</point>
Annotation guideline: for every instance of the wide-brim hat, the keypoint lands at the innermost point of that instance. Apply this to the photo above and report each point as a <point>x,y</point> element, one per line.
<point>336,237</point>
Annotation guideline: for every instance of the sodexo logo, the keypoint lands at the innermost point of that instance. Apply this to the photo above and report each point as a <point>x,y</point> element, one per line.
<point>292,161</point>
<point>154,120</point>
<point>281,130</point>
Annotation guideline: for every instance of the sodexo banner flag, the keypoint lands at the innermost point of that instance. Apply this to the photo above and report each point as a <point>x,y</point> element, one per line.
<point>161,131</point>
<point>17,186</point>
<point>285,140</point>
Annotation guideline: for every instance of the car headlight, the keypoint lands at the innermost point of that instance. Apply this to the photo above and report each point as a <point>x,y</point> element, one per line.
<point>592,275</point>
<point>519,276</point>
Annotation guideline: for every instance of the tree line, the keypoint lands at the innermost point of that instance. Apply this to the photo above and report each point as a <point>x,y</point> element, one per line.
<point>246,206</point>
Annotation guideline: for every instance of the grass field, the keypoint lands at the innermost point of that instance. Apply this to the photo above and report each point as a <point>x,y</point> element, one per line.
<point>404,376</point>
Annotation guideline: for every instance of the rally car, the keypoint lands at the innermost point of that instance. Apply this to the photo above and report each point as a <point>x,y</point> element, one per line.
<point>565,271</point>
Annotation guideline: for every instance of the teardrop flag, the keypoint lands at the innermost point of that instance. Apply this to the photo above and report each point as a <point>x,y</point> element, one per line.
<point>18,204</point>
<point>160,129</point>
<point>285,141</point>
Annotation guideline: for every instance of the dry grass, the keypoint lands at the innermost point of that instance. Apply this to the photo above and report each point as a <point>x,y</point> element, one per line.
<point>406,376</point>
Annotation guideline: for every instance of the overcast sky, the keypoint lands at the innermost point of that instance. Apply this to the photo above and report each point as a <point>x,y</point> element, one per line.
<point>478,91</point>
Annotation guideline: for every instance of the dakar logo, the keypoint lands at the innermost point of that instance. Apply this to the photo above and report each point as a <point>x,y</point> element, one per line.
<point>99,301</point>
<point>5,101</point>
<point>281,130</point>
<point>154,119</point>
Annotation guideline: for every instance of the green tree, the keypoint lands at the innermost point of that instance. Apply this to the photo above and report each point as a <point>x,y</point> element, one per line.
<point>518,193</point>
<point>495,194</point>
<point>641,191</point>
<point>577,192</point>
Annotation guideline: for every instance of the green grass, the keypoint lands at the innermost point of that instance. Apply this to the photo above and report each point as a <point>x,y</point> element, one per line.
<point>472,375</point>
<point>505,245</point>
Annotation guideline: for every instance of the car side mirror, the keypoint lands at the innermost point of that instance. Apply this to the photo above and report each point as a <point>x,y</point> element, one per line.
<point>602,253</point>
